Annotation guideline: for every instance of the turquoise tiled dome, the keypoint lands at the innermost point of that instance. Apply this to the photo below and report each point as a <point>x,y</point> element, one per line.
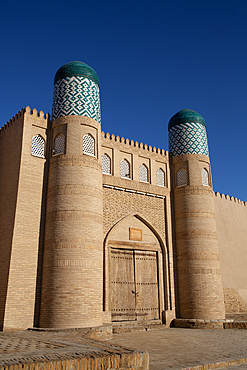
<point>187,134</point>
<point>76,91</point>
<point>185,116</point>
<point>76,69</point>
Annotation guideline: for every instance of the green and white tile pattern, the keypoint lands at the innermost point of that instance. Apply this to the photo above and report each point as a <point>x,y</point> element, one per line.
<point>76,95</point>
<point>188,138</point>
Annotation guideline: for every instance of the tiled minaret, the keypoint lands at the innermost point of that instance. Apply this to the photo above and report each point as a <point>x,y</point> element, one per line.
<point>200,291</point>
<point>73,257</point>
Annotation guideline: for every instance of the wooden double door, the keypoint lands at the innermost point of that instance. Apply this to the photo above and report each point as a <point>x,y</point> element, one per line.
<point>134,285</point>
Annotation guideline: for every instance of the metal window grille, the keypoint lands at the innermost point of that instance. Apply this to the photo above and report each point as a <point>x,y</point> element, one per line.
<point>59,145</point>
<point>106,164</point>
<point>204,174</point>
<point>182,177</point>
<point>38,146</point>
<point>160,177</point>
<point>143,173</point>
<point>125,169</point>
<point>88,145</point>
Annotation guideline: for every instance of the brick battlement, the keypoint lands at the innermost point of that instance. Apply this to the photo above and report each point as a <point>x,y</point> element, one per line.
<point>18,115</point>
<point>34,112</point>
<point>133,143</point>
<point>231,198</point>
<point>38,115</point>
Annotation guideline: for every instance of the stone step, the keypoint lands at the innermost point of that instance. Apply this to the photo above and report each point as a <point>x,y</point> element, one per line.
<point>126,327</point>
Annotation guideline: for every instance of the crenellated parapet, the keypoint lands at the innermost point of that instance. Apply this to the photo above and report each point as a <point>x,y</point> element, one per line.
<point>41,115</point>
<point>15,118</point>
<point>38,118</point>
<point>131,143</point>
<point>230,198</point>
<point>126,159</point>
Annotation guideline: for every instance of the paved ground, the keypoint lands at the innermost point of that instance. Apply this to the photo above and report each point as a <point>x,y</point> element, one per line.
<point>27,347</point>
<point>168,348</point>
<point>183,348</point>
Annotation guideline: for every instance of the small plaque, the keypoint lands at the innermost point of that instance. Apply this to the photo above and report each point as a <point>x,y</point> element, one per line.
<point>135,234</point>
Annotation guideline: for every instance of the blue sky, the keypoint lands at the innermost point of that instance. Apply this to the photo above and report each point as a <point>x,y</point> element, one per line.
<point>153,58</point>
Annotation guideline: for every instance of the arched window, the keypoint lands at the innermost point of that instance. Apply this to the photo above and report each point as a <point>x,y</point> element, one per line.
<point>125,169</point>
<point>88,145</point>
<point>205,180</point>
<point>59,145</point>
<point>38,146</point>
<point>182,177</point>
<point>143,173</point>
<point>160,177</point>
<point>106,164</point>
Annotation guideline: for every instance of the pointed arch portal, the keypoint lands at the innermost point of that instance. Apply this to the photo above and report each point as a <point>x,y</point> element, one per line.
<point>135,271</point>
<point>134,284</point>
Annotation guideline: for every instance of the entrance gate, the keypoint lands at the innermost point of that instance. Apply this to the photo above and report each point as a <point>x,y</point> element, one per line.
<point>134,285</point>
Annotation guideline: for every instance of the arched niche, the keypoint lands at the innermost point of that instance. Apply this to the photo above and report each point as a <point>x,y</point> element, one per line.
<point>136,276</point>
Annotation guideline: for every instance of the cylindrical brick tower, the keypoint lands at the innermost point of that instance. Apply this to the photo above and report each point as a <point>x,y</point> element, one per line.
<point>72,276</point>
<point>200,290</point>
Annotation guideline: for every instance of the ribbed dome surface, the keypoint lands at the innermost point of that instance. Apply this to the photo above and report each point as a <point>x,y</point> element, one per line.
<point>186,116</point>
<point>76,69</point>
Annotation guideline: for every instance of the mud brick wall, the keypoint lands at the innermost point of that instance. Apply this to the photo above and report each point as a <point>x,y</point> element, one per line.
<point>21,205</point>
<point>231,224</point>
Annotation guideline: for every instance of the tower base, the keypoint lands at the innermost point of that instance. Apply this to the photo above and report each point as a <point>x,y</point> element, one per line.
<point>200,324</point>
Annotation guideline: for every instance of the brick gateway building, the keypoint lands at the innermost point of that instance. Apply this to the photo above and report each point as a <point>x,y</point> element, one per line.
<point>97,229</point>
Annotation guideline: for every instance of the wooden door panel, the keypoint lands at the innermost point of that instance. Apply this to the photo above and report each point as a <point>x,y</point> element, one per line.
<point>146,279</point>
<point>122,285</point>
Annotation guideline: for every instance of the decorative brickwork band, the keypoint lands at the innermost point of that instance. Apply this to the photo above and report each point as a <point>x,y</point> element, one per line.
<point>76,95</point>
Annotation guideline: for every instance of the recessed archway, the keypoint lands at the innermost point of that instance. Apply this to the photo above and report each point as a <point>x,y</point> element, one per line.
<point>135,258</point>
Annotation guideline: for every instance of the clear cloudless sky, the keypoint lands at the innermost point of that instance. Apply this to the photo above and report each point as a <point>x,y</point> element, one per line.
<point>153,58</point>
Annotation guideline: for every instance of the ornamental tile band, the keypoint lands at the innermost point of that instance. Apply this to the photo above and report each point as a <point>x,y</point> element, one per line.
<point>76,95</point>
<point>188,138</point>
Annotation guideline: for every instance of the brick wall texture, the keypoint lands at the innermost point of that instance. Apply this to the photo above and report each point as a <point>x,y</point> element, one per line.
<point>10,152</point>
<point>22,190</point>
<point>198,268</point>
<point>72,284</point>
<point>58,214</point>
<point>119,204</point>
<point>231,224</point>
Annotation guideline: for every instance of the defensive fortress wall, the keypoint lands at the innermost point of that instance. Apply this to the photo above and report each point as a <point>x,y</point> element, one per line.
<point>136,195</point>
<point>137,158</point>
<point>10,152</point>
<point>96,229</point>
<point>231,224</point>
<point>22,179</point>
